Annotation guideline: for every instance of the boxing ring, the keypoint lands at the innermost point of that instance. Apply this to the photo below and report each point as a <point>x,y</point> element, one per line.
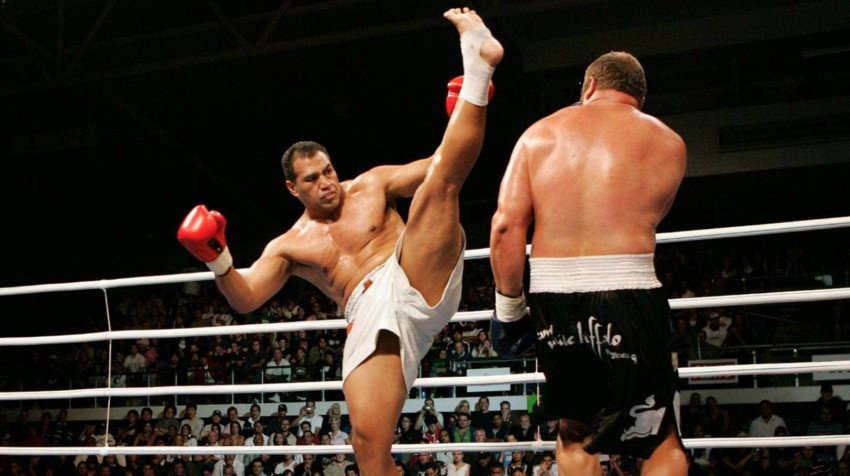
<point>293,387</point>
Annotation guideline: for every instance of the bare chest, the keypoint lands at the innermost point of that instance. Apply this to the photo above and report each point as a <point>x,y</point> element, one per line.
<point>336,252</point>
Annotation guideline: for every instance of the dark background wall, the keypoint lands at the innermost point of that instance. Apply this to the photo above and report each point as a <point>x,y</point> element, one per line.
<point>117,117</point>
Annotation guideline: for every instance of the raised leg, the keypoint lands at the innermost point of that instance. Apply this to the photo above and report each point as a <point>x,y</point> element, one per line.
<point>434,238</point>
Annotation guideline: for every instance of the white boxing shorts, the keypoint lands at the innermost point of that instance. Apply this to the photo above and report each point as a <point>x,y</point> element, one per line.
<point>385,300</point>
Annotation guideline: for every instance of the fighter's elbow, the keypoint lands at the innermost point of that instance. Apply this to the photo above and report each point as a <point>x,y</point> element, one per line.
<point>499,225</point>
<point>241,306</point>
<point>497,237</point>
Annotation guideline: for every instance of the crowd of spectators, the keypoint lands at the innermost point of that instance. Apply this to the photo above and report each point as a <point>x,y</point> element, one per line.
<point>827,415</point>
<point>471,421</point>
<point>685,270</point>
<point>171,426</point>
<point>232,357</point>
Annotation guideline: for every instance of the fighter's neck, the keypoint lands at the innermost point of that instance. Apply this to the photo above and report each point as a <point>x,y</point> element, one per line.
<point>612,96</point>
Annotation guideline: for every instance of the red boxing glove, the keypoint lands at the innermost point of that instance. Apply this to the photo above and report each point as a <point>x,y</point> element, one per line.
<point>202,233</point>
<point>454,90</point>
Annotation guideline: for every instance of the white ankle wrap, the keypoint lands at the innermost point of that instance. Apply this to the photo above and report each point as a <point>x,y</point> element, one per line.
<point>476,72</point>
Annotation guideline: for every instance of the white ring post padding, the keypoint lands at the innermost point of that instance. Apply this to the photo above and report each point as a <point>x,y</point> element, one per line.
<point>536,446</point>
<point>519,378</point>
<point>680,303</point>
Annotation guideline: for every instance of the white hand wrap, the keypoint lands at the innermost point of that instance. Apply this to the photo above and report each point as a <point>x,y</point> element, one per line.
<point>220,265</point>
<point>510,309</point>
<point>476,72</point>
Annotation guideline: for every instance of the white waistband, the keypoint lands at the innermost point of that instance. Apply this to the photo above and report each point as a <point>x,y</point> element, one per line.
<point>359,290</point>
<point>593,273</point>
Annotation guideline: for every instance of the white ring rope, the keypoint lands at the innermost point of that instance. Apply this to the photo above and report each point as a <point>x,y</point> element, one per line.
<point>288,387</point>
<point>279,449</point>
<point>678,236</point>
<point>536,446</point>
<point>760,298</point>
<point>519,378</point>
<point>679,303</point>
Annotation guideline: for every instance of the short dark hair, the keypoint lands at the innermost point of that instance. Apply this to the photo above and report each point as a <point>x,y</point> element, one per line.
<point>620,71</point>
<point>303,148</point>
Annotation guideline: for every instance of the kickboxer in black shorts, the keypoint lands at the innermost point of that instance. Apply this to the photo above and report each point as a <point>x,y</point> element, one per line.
<point>596,179</point>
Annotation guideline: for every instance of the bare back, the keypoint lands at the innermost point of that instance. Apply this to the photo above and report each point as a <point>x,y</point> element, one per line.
<point>601,177</point>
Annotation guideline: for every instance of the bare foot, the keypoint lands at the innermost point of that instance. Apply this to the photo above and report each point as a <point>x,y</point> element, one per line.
<point>465,19</point>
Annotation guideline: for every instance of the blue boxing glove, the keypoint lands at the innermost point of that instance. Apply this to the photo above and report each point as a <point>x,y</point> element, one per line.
<point>510,332</point>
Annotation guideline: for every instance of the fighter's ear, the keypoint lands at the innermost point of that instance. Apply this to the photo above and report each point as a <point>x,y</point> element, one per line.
<point>290,185</point>
<point>589,89</point>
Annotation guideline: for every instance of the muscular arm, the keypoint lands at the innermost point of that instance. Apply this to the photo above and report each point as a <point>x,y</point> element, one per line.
<point>510,224</point>
<point>402,180</point>
<point>248,291</point>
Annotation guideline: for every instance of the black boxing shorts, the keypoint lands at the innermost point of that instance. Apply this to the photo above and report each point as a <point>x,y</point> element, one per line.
<point>604,344</point>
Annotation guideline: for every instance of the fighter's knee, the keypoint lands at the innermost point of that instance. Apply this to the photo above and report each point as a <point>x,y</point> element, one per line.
<point>362,443</point>
<point>372,451</point>
<point>359,441</point>
<point>366,437</point>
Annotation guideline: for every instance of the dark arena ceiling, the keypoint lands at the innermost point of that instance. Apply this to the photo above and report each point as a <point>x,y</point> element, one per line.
<point>116,117</point>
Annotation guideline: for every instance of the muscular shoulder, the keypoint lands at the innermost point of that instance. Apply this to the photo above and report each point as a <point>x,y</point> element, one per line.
<point>672,139</point>
<point>546,132</point>
<point>374,178</point>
